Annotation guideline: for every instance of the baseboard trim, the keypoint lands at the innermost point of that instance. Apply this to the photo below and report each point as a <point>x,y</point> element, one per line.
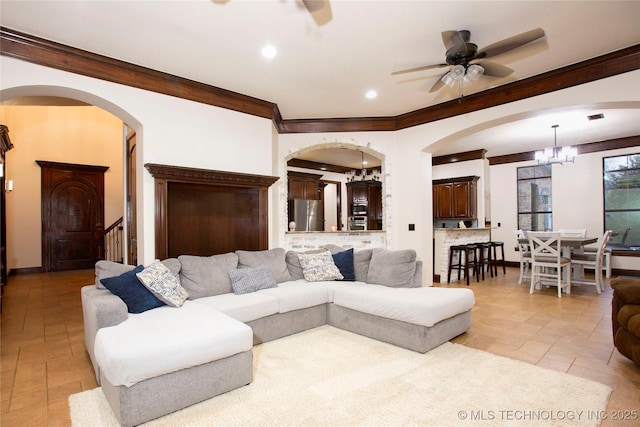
<point>29,270</point>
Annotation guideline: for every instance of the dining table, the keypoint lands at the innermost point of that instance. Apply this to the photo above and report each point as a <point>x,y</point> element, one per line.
<point>571,245</point>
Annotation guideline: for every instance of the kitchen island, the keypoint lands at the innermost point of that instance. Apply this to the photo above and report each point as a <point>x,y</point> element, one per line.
<point>306,240</point>
<point>443,238</point>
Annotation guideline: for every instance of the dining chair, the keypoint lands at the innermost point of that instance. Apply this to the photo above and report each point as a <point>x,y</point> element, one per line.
<point>524,251</point>
<point>594,261</point>
<point>547,262</point>
<point>578,232</point>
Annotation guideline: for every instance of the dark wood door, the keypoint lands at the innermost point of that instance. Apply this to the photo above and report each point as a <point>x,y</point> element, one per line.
<point>72,215</point>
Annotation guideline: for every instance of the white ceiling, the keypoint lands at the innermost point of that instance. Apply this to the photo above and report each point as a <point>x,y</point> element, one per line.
<point>323,70</point>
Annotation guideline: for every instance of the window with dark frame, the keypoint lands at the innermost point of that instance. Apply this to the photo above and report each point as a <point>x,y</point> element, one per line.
<point>621,184</point>
<point>534,198</point>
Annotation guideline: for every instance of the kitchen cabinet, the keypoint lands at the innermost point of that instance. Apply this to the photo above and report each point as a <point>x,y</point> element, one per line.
<point>358,192</point>
<point>455,198</point>
<point>368,193</point>
<point>304,185</point>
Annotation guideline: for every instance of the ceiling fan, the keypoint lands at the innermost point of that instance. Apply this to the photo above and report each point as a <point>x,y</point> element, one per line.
<point>467,62</point>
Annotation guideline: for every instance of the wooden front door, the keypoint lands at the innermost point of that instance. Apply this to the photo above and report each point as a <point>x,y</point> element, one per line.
<point>72,215</point>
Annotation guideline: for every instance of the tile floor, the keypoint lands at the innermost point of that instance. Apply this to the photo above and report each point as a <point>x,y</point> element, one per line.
<point>44,359</point>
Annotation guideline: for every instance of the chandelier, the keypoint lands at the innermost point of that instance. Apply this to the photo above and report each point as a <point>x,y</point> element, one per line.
<point>549,156</point>
<point>461,73</point>
<point>363,173</point>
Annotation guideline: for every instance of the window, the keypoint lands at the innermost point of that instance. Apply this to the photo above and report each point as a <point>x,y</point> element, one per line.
<point>534,198</point>
<point>621,176</point>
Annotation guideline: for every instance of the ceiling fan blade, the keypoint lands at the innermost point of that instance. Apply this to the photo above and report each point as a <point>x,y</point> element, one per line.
<point>425,67</point>
<point>313,5</point>
<point>454,41</point>
<point>438,84</point>
<point>495,69</point>
<point>510,43</point>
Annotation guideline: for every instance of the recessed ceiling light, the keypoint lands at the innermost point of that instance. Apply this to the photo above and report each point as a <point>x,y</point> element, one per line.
<point>269,51</point>
<point>372,94</point>
<point>596,116</point>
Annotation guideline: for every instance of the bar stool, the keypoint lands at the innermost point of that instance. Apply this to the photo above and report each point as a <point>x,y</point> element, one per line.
<point>494,261</point>
<point>485,258</point>
<point>470,261</point>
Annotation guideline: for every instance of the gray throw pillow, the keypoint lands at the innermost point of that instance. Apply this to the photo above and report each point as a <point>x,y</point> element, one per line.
<point>293,263</point>
<point>394,268</point>
<point>274,259</point>
<point>246,280</point>
<point>207,276</point>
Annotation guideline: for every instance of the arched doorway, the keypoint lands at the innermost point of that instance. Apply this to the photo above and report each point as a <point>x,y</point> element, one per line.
<point>65,99</point>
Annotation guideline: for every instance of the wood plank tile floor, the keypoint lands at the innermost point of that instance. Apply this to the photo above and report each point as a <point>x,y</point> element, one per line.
<point>44,359</point>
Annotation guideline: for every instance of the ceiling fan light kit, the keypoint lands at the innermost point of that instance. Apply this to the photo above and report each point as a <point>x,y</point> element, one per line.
<point>460,53</point>
<point>550,156</point>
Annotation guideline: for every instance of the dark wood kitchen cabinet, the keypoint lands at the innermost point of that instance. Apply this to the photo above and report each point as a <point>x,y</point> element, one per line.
<point>304,185</point>
<point>455,198</point>
<point>369,194</point>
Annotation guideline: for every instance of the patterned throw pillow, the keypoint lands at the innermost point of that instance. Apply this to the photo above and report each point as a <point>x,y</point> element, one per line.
<point>319,267</point>
<point>163,284</point>
<point>246,280</point>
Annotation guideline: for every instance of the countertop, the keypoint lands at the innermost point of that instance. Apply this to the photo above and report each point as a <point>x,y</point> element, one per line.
<point>337,232</point>
<point>463,229</point>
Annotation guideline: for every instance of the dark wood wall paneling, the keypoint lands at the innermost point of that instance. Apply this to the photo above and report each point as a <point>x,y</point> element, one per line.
<point>207,212</point>
<point>40,51</point>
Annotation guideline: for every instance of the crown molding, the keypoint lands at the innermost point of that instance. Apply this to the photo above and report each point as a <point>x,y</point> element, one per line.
<point>47,53</point>
<point>591,147</point>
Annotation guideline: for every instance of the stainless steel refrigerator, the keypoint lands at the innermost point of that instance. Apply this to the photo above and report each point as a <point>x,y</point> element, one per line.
<point>307,214</point>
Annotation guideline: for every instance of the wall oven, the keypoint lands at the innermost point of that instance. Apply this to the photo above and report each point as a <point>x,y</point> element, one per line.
<point>358,209</point>
<point>357,223</point>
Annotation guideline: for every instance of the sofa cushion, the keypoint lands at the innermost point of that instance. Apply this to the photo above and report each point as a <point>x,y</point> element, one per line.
<point>297,295</point>
<point>245,307</point>
<point>344,262</point>
<point>273,259</point>
<point>319,267</point>
<point>205,276</point>
<point>361,260</point>
<point>395,268</point>
<point>246,280</point>
<point>293,262</point>
<point>130,290</point>
<point>106,268</point>
<point>163,284</point>
<point>154,343</point>
<point>419,306</point>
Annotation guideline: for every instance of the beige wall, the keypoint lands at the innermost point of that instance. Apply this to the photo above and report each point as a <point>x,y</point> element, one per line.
<point>70,134</point>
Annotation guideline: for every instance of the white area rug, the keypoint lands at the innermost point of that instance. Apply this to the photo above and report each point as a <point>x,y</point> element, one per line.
<point>329,377</point>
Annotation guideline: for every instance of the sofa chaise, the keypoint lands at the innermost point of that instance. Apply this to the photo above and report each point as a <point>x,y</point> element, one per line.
<point>193,340</point>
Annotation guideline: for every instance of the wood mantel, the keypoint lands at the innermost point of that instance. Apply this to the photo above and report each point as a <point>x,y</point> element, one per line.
<point>178,231</point>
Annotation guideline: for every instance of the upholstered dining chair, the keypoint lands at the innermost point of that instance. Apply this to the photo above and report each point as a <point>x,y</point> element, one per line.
<point>525,256</point>
<point>547,262</point>
<point>593,260</point>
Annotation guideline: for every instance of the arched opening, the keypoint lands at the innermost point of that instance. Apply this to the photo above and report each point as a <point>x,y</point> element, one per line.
<point>340,179</point>
<point>103,127</point>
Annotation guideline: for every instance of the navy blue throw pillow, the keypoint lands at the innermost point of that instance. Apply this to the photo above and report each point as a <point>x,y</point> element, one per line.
<point>344,262</point>
<point>127,286</point>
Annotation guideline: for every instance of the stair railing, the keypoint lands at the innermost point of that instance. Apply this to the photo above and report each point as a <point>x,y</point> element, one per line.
<point>113,242</point>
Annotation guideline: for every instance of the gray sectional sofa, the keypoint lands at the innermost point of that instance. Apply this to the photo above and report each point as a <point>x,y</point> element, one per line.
<point>173,354</point>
